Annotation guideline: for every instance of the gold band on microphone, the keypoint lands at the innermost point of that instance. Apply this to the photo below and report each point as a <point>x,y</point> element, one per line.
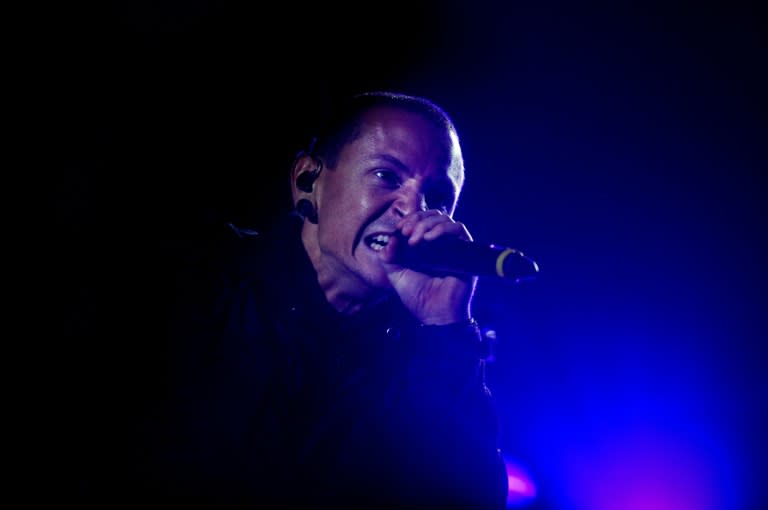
<point>500,260</point>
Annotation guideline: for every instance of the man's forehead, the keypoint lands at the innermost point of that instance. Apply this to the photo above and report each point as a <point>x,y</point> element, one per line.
<point>456,169</point>
<point>392,124</point>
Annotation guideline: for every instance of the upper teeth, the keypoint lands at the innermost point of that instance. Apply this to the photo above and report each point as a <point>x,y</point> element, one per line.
<point>378,242</point>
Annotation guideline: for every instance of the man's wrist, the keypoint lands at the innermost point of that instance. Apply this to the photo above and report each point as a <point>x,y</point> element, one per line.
<point>456,338</point>
<point>469,322</point>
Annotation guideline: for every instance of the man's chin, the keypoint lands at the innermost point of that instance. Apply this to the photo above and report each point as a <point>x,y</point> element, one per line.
<point>375,276</point>
<point>371,268</point>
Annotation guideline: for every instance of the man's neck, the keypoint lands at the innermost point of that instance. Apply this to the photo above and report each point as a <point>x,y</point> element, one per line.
<point>348,296</point>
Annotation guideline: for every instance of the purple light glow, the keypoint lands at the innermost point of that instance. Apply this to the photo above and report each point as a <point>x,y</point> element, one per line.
<point>521,489</point>
<point>642,471</point>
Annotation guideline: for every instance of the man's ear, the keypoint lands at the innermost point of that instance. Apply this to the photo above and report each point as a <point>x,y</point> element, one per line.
<point>304,172</point>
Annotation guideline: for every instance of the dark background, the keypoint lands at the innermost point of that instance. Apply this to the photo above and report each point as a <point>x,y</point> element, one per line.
<point>621,147</point>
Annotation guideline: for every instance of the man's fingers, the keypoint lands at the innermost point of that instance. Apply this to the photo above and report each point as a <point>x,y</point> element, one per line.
<point>430,225</point>
<point>408,224</point>
<point>453,229</point>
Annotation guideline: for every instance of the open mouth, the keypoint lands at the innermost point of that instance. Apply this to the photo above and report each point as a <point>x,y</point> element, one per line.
<point>377,242</point>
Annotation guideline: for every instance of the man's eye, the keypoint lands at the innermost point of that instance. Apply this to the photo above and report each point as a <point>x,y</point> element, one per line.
<point>389,178</point>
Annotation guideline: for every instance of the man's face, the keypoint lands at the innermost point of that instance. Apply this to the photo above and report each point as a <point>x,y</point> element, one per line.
<point>399,163</point>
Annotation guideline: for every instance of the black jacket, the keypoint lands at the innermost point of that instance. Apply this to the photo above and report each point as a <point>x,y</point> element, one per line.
<point>273,399</point>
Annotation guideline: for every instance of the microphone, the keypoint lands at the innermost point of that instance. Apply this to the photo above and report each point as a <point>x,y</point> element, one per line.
<point>459,257</point>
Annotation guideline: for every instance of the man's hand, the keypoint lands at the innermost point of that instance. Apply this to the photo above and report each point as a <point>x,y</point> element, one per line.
<point>433,300</point>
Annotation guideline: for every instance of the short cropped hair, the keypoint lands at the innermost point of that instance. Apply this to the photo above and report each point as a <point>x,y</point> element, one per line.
<point>343,126</point>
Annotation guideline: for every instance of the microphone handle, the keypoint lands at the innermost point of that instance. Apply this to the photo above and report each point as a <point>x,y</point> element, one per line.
<point>455,256</point>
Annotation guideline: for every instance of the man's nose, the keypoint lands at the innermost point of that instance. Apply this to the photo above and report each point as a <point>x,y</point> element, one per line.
<point>408,201</point>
